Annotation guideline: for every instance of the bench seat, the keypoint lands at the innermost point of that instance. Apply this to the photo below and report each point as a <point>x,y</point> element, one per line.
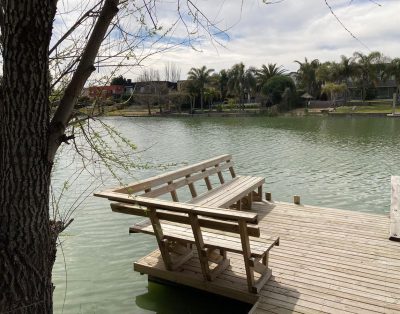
<point>229,193</point>
<point>178,232</point>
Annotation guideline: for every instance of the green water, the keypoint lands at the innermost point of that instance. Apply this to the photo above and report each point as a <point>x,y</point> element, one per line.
<point>332,162</point>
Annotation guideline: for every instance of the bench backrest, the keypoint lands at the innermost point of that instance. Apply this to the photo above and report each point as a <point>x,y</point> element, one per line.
<point>171,181</point>
<point>206,220</point>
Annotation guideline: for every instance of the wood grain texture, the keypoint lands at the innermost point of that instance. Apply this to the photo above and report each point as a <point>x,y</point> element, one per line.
<point>328,261</point>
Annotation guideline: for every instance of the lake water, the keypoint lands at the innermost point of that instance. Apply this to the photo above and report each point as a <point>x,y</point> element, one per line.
<point>332,162</point>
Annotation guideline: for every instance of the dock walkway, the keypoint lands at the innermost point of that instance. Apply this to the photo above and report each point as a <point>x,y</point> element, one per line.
<point>329,260</point>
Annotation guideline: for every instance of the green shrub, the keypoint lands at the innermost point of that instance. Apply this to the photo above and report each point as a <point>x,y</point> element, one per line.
<point>276,86</point>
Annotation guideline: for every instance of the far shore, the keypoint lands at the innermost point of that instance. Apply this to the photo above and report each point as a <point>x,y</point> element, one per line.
<point>298,112</point>
<point>373,109</point>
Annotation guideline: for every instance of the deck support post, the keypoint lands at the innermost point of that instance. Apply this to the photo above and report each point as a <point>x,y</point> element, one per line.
<point>395,209</point>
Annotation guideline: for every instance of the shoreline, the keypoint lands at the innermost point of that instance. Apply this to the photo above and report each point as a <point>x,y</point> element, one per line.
<point>294,113</point>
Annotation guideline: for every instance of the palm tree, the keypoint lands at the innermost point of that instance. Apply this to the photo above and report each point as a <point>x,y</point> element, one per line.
<point>347,71</point>
<point>334,89</point>
<point>223,79</point>
<point>191,89</point>
<point>267,72</point>
<point>241,81</point>
<point>347,68</point>
<point>392,70</point>
<point>200,76</point>
<point>307,75</point>
<point>367,69</point>
<point>327,72</point>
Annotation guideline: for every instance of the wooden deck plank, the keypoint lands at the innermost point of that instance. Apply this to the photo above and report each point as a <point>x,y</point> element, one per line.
<point>222,195</point>
<point>345,224</point>
<point>345,264</point>
<point>365,301</point>
<point>343,253</point>
<point>372,247</point>
<point>378,289</point>
<point>357,286</point>
<point>321,211</point>
<point>300,215</point>
<point>328,261</point>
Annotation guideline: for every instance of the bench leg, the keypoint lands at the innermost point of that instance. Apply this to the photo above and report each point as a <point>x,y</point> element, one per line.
<point>218,258</point>
<point>246,201</point>
<point>263,270</point>
<point>252,197</point>
<point>175,254</point>
<point>163,246</point>
<point>257,196</point>
<point>207,255</point>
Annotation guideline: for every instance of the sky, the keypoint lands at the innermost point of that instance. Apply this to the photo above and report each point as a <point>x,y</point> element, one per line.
<point>291,30</point>
<point>280,32</point>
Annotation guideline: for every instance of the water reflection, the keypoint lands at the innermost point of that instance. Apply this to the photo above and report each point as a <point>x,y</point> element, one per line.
<point>167,299</point>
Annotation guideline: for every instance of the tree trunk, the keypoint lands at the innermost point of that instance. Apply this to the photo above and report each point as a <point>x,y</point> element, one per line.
<point>201,100</point>
<point>27,248</point>
<point>28,143</point>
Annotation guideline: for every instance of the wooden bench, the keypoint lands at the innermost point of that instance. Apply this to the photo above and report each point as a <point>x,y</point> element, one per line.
<point>213,232</point>
<point>203,221</point>
<point>236,192</point>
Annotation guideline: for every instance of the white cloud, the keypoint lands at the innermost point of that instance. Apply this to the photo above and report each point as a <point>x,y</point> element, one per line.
<point>282,33</point>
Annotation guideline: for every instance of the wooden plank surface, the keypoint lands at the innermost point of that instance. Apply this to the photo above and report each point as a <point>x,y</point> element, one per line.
<point>222,196</point>
<point>328,261</point>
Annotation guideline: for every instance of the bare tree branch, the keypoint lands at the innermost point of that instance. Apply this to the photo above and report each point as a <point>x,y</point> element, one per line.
<point>344,26</point>
<point>83,71</point>
<point>73,27</point>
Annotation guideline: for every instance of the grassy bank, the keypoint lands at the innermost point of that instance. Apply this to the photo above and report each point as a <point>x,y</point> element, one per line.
<point>381,108</point>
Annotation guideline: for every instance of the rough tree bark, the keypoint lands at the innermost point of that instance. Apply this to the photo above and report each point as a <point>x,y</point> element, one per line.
<point>28,143</point>
<point>26,250</point>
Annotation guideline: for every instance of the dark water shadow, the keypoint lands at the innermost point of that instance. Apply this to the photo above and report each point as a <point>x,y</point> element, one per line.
<point>176,299</point>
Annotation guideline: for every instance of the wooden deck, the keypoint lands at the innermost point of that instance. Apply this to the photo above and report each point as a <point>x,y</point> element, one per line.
<point>329,260</point>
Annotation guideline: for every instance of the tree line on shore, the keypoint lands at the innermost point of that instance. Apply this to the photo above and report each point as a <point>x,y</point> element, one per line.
<point>271,84</point>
